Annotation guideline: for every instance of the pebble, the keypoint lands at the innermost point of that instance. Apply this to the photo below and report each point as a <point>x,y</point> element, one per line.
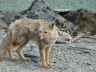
<point>90,67</point>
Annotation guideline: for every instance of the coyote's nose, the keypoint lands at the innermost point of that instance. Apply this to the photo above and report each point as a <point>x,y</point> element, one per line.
<point>40,37</point>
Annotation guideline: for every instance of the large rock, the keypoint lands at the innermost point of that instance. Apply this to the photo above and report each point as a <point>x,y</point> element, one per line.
<point>39,10</point>
<point>84,19</point>
<point>9,17</point>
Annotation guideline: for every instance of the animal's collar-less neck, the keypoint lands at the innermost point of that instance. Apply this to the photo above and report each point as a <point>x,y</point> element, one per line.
<point>46,41</point>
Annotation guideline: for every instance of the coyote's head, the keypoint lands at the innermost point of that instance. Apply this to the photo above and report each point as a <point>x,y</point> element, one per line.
<point>46,31</point>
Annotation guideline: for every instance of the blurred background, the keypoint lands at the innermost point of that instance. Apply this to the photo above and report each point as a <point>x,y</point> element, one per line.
<point>19,5</point>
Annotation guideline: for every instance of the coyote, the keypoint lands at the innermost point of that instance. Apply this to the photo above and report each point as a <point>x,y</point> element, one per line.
<point>22,31</point>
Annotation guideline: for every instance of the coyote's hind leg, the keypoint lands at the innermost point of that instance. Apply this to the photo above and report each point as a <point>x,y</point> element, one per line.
<point>20,53</point>
<point>11,46</point>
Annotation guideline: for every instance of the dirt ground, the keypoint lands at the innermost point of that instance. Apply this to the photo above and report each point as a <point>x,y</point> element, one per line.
<point>62,59</point>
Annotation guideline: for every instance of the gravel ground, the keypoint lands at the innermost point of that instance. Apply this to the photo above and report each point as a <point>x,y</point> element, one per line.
<point>62,60</point>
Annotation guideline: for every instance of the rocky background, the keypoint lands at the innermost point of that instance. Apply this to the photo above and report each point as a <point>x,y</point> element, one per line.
<point>19,5</point>
<point>79,56</point>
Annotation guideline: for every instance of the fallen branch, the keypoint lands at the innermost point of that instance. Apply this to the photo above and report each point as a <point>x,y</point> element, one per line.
<point>77,37</point>
<point>61,39</point>
<point>91,37</point>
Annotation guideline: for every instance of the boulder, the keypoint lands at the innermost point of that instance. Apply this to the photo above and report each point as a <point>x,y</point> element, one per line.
<point>39,10</point>
<point>84,19</point>
<point>9,17</point>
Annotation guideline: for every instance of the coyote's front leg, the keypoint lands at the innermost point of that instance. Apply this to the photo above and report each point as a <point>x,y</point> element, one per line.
<point>20,53</point>
<point>42,56</point>
<point>47,51</point>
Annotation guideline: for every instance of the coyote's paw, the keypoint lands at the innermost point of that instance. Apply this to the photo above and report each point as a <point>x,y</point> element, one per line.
<point>13,59</point>
<point>26,59</point>
<point>47,66</point>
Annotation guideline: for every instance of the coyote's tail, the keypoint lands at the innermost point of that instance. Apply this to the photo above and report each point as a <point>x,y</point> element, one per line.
<point>5,43</point>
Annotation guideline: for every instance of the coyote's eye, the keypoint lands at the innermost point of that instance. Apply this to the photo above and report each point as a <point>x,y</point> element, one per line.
<point>45,32</point>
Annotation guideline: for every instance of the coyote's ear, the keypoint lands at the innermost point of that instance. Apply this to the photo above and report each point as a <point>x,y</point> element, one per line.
<point>39,23</point>
<point>39,19</point>
<point>52,25</point>
<point>39,26</point>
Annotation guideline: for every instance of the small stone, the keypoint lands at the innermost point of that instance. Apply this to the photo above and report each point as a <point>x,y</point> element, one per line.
<point>90,67</point>
<point>34,54</point>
